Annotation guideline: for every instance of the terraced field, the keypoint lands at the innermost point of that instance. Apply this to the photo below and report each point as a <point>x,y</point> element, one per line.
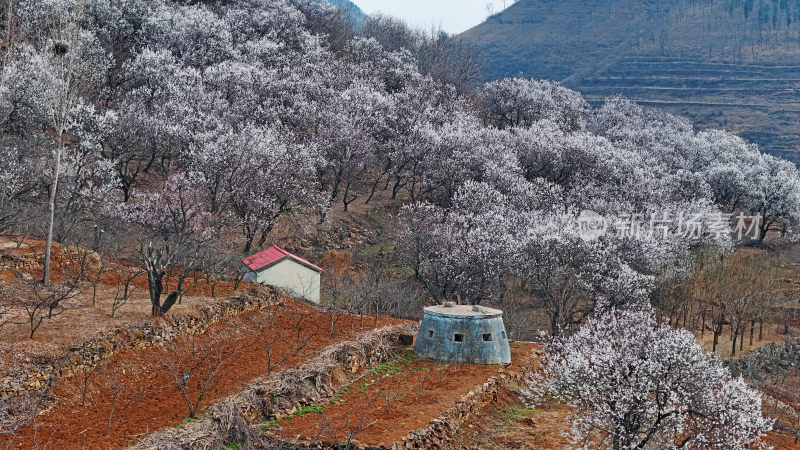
<point>760,101</point>
<point>710,61</point>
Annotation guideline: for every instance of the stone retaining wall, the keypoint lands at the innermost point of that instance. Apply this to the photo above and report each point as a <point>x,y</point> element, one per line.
<point>23,261</point>
<point>144,334</point>
<point>444,428</point>
<point>238,419</point>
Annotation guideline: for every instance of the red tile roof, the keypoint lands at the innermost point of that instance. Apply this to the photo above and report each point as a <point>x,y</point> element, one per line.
<point>271,256</point>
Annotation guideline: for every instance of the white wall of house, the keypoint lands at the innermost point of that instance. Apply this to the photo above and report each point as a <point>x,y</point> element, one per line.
<point>296,279</point>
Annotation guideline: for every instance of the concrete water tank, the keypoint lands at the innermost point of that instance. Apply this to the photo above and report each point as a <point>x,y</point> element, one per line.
<point>463,334</point>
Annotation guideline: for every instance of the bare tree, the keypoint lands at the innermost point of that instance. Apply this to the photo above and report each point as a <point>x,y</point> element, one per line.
<point>737,291</point>
<point>118,391</point>
<point>393,34</point>
<point>519,314</point>
<point>39,302</point>
<point>343,292</point>
<point>123,394</point>
<point>9,423</point>
<point>105,241</point>
<point>423,378</point>
<point>344,427</point>
<point>451,61</point>
<point>216,263</point>
<point>80,259</point>
<point>101,268</point>
<point>196,368</point>
<point>71,74</point>
<point>390,394</point>
<point>82,381</point>
<point>125,274</point>
<point>16,412</point>
<point>303,330</point>
<point>356,295</point>
<point>264,322</point>
<point>29,221</point>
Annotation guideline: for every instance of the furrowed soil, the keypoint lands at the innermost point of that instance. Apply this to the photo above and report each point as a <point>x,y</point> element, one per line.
<point>133,392</point>
<point>398,396</point>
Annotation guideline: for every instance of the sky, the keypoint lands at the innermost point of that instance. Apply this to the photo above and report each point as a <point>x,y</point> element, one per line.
<point>454,16</point>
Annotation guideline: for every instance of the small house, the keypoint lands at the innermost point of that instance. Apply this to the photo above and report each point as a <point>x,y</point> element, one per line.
<point>277,267</point>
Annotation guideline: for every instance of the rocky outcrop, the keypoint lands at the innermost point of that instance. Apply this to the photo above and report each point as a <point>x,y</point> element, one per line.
<point>770,360</point>
<point>144,334</point>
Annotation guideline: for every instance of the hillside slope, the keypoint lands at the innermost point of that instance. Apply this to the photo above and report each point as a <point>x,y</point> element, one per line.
<point>733,64</point>
<point>356,14</point>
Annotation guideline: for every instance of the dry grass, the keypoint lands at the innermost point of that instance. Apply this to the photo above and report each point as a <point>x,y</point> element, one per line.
<point>772,333</point>
<point>81,320</point>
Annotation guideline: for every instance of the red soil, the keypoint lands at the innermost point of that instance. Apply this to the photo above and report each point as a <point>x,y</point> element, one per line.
<point>786,434</point>
<point>82,319</point>
<point>781,441</point>
<point>508,423</point>
<point>136,384</point>
<point>403,395</point>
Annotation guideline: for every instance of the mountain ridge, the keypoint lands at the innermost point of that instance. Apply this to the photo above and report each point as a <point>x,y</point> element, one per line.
<point>731,64</point>
<point>357,15</point>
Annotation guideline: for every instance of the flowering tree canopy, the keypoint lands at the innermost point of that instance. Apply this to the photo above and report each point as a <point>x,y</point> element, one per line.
<point>634,383</point>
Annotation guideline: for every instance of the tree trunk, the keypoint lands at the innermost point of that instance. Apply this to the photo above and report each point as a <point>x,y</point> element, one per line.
<point>554,328</point>
<point>763,227</point>
<point>238,280</point>
<point>168,302</point>
<point>9,23</point>
<point>52,210</point>
<point>345,200</point>
<point>249,234</point>
<point>372,191</point>
<point>752,330</point>
<point>762,233</point>
<point>156,287</point>
<point>179,285</point>
<point>741,341</point>
<point>703,326</point>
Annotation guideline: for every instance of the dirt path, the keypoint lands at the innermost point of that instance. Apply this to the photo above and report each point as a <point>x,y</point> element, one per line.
<point>133,393</point>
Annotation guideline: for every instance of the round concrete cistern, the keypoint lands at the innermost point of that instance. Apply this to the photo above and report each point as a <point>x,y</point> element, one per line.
<point>463,334</point>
